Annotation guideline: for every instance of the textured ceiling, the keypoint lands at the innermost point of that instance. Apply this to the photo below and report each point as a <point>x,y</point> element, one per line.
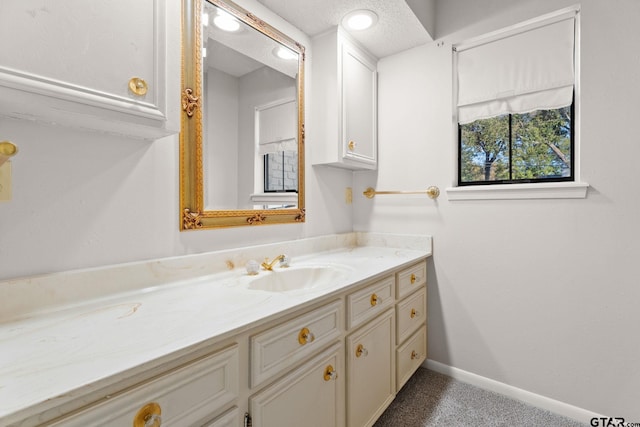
<point>397,29</point>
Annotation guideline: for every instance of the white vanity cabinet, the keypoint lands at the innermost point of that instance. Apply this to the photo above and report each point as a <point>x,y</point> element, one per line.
<point>91,65</point>
<point>345,102</point>
<point>337,360</point>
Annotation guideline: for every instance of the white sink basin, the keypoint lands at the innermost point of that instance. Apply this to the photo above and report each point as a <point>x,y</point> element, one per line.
<point>302,278</point>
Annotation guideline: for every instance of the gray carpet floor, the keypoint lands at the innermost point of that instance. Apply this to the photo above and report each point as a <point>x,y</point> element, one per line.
<point>432,399</point>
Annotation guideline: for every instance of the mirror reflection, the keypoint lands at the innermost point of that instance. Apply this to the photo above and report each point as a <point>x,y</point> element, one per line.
<point>242,133</point>
<point>250,120</point>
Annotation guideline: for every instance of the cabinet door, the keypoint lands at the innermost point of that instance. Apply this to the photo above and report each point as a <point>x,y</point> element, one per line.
<point>310,396</point>
<point>100,45</point>
<point>359,106</point>
<point>72,63</point>
<point>370,370</point>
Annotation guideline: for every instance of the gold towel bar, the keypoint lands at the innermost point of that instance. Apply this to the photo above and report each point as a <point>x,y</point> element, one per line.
<point>7,150</point>
<point>433,192</point>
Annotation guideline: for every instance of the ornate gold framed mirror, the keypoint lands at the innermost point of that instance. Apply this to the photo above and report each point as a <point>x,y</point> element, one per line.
<point>242,120</point>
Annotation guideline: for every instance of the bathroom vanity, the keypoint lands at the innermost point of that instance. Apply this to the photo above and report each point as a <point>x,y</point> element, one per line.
<point>195,340</point>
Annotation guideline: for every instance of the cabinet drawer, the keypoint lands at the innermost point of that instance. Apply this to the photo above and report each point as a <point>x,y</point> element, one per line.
<point>411,313</point>
<point>281,347</point>
<point>182,397</point>
<point>410,356</point>
<point>411,279</point>
<point>370,301</point>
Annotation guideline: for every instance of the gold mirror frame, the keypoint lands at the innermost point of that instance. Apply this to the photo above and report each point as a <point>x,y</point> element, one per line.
<point>192,210</point>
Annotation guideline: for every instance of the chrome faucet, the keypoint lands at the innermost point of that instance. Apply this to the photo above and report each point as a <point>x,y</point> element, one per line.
<point>283,259</point>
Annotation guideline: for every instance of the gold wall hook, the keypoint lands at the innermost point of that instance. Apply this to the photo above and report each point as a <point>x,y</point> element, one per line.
<point>433,192</point>
<point>7,150</point>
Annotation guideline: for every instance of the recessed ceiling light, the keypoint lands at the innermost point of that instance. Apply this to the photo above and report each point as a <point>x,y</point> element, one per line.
<point>284,53</point>
<point>226,22</point>
<point>359,19</point>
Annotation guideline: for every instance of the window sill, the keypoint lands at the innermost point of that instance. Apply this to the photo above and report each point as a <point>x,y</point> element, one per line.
<point>555,190</point>
<point>274,197</point>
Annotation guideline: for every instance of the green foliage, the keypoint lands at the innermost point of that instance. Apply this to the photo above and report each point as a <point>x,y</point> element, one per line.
<point>539,146</point>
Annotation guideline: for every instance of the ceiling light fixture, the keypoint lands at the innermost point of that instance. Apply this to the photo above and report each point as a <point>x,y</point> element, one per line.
<point>226,22</point>
<point>360,20</point>
<point>284,53</point>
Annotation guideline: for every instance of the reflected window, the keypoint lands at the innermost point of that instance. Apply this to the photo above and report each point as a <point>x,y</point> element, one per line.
<point>281,172</point>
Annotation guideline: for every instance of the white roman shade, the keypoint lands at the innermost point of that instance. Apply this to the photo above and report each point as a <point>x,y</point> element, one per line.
<point>527,69</point>
<point>278,128</point>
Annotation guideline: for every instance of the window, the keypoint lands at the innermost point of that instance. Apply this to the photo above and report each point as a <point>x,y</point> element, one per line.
<point>515,95</point>
<point>276,155</point>
<point>517,148</point>
<point>281,172</point>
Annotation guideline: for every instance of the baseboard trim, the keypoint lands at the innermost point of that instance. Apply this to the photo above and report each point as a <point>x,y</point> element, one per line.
<point>537,400</point>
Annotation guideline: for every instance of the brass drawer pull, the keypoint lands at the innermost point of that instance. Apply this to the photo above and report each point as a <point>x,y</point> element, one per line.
<point>148,416</point>
<point>351,145</point>
<point>330,373</point>
<point>305,336</point>
<point>375,300</point>
<point>138,86</point>
<point>413,279</point>
<point>414,313</point>
<point>414,355</point>
<point>361,351</point>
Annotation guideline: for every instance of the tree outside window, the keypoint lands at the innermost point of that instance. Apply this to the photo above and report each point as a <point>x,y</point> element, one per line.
<point>517,148</point>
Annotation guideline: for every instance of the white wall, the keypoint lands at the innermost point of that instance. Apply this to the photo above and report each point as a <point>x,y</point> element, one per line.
<point>539,294</point>
<point>220,139</point>
<point>84,199</point>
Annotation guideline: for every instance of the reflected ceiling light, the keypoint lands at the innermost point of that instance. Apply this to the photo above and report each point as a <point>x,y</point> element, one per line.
<point>205,19</point>
<point>284,53</point>
<point>226,22</point>
<point>359,19</point>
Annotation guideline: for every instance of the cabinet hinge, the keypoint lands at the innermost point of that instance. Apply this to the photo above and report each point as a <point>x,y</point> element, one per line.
<point>247,420</point>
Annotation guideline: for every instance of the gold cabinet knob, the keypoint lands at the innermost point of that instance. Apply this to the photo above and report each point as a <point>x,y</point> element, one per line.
<point>414,355</point>
<point>330,373</point>
<point>305,336</point>
<point>375,299</point>
<point>148,416</point>
<point>361,351</point>
<point>138,86</point>
<point>414,313</point>
<point>351,145</point>
<point>413,279</point>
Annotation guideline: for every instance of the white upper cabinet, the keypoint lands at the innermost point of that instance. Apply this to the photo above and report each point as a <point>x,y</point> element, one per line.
<point>344,101</point>
<point>93,65</point>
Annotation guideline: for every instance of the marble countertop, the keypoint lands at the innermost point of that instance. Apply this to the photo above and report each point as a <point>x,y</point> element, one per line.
<point>54,353</point>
